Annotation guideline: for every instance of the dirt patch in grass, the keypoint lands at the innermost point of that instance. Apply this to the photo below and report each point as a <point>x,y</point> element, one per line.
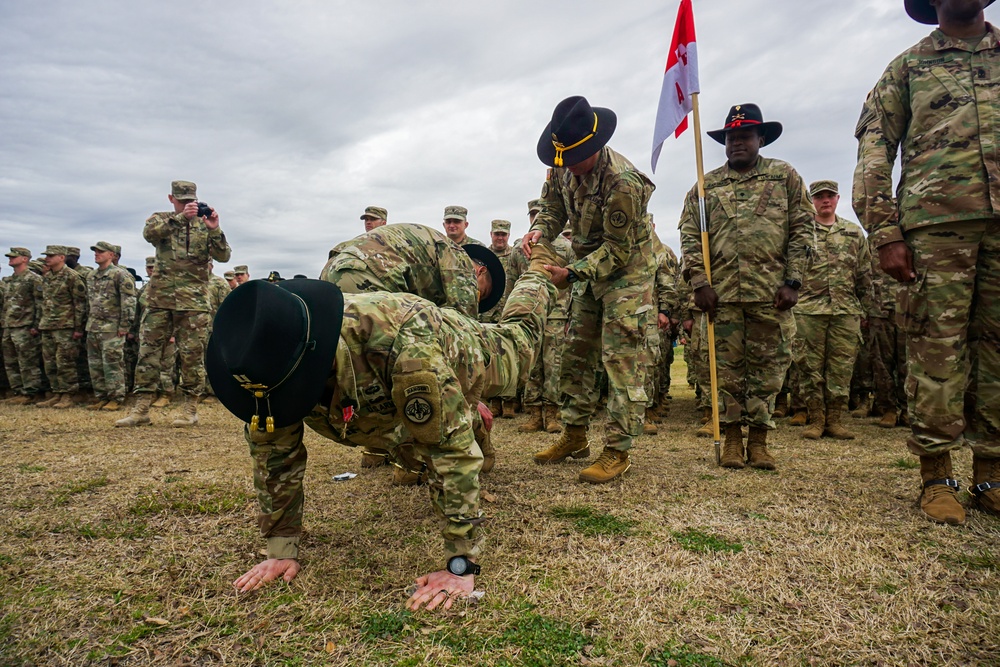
<point>119,547</point>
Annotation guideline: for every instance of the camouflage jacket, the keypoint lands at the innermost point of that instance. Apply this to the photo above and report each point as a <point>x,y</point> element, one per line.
<point>218,290</point>
<point>111,299</point>
<point>758,227</point>
<point>22,307</point>
<point>667,299</point>
<point>938,103</point>
<point>467,240</point>
<point>884,290</point>
<point>64,301</point>
<point>838,278</point>
<point>183,249</point>
<point>493,314</point>
<point>606,210</point>
<point>519,264</point>
<point>413,259</point>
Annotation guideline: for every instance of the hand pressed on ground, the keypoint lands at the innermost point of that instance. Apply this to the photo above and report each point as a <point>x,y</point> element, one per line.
<point>266,572</point>
<point>438,587</point>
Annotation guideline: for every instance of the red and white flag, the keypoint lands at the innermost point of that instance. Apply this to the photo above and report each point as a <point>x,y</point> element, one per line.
<point>680,81</point>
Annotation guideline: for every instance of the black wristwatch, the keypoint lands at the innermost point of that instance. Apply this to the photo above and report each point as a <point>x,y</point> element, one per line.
<point>572,277</point>
<point>461,566</point>
<point>794,284</point>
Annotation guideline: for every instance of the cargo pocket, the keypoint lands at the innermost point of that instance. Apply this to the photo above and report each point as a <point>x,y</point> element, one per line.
<point>911,306</point>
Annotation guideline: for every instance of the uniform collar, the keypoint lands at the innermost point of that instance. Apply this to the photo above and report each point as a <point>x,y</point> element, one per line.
<point>943,42</point>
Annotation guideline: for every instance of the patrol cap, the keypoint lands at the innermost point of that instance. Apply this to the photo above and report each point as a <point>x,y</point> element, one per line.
<point>534,206</point>
<point>820,186</point>
<point>184,190</point>
<point>229,275</point>
<point>117,249</point>
<point>241,269</point>
<point>37,266</point>
<point>376,212</point>
<point>500,226</point>
<point>456,213</point>
<point>103,246</point>
<point>150,261</point>
<point>55,250</point>
<point>19,252</point>
<point>72,250</point>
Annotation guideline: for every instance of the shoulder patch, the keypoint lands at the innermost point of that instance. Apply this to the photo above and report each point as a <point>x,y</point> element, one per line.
<point>545,188</point>
<point>418,410</point>
<point>618,219</point>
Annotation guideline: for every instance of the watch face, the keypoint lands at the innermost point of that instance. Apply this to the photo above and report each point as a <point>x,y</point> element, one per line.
<point>458,565</point>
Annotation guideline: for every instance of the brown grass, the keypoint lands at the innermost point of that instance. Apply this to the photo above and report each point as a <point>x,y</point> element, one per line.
<point>119,546</point>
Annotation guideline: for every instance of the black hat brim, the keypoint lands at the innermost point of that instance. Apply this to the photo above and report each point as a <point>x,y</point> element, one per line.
<point>771,129</point>
<point>921,11</point>
<point>497,274</point>
<point>303,389</point>
<point>607,121</point>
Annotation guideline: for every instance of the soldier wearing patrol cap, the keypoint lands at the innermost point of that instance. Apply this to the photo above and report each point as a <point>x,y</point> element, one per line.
<point>612,278</point>
<point>21,345</point>
<point>62,324</point>
<point>835,293</point>
<point>112,304</point>
<point>456,221</point>
<point>230,277</point>
<point>242,273</point>
<point>177,302</point>
<point>374,216</point>
<point>936,108</point>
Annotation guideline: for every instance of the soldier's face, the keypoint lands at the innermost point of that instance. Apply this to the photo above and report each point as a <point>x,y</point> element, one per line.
<point>232,283</point>
<point>372,222</point>
<point>742,147</point>
<point>455,229</point>
<point>499,240</point>
<point>103,257</point>
<point>242,278</point>
<point>584,167</point>
<point>826,202</point>
<point>958,10</point>
<point>17,261</point>
<point>55,262</point>
<point>149,270</point>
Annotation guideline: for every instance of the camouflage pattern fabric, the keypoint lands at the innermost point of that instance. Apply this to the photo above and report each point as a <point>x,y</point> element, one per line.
<point>391,343</point>
<point>21,350</point>
<point>888,360</point>
<point>493,314</point>
<point>612,304</point>
<point>190,332</point>
<point>218,290</point>
<point>825,347</point>
<point>63,301</point>
<point>183,250</point>
<point>406,258</point>
<point>862,377</point>
<point>106,357</point>
<point>60,352</point>
<point>111,296</point>
<point>168,357</point>
<point>662,341</point>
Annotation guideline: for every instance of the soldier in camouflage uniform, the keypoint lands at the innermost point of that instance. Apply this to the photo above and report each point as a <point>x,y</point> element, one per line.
<point>62,324</point>
<point>22,350</point>
<point>405,370</point>
<point>111,299</point>
<point>661,334</point>
<point>603,197</point>
<point>374,216</point>
<point>937,104</point>
<point>230,277</point>
<point>414,259</point>
<point>456,221</point>
<point>834,295</point>
<point>888,352</point>
<point>177,301</point>
<point>759,215</point>
<point>242,273</point>
<point>542,393</point>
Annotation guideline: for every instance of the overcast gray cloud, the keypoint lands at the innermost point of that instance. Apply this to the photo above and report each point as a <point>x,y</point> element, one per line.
<point>292,117</point>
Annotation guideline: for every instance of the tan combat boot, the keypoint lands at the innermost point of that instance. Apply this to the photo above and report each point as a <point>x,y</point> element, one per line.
<point>757,454</point>
<point>113,405</point>
<point>780,407</point>
<point>509,407</point>
<point>485,440</point>
<point>18,400</point>
<point>610,465</point>
<point>939,495</point>
<point>552,419</point>
<point>817,421</point>
<point>189,416</point>
<point>732,450</point>
<point>573,442</point>
<point>800,418</point>
<point>536,421</point>
<point>98,405</point>
<point>403,477</point>
<point>986,481</point>
<point>163,400</point>
<point>889,419</point>
<point>649,428</point>
<point>707,429</point>
<point>706,415</point>
<point>371,458</point>
<point>65,401</point>
<point>834,426</point>
<point>48,402</point>
<point>496,407</point>
<point>139,414</point>
<point>653,415</point>
<point>864,408</point>
<point>543,253</point>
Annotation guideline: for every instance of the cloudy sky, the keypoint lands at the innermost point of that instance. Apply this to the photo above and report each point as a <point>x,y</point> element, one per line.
<point>294,116</point>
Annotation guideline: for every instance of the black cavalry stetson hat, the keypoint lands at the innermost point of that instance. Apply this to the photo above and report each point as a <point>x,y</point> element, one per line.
<point>272,348</point>
<point>483,254</point>
<point>747,115</point>
<point>921,11</point>
<point>576,131</point>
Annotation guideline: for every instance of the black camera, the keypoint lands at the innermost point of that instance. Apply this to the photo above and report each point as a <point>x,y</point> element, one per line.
<point>204,210</point>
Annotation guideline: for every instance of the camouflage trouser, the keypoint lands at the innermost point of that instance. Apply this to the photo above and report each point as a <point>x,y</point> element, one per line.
<point>654,352</point>
<point>106,354</point>
<point>663,368</point>
<point>190,331</point>
<point>83,364</point>
<point>951,318</point>
<point>888,355</point>
<point>543,383</point>
<point>59,354</point>
<point>609,332</point>
<point>753,350</point>
<point>22,358</point>
<point>862,379</point>
<point>824,349</point>
<point>698,364</point>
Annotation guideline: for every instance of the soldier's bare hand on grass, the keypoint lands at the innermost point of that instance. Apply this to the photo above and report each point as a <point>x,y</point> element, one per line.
<point>440,587</point>
<point>266,572</point>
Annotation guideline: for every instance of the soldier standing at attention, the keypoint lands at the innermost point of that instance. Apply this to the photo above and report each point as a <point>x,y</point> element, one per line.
<point>374,216</point>
<point>936,106</point>
<point>242,273</point>
<point>603,197</point>
<point>177,300</point>
<point>21,346</point>
<point>230,277</point>
<point>759,216</point>
<point>62,321</point>
<point>834,295</point>
<point>456,221</point>
<point>111,297</point>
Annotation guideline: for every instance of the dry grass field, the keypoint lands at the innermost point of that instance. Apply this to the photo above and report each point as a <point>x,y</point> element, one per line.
<point>118,547</point>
